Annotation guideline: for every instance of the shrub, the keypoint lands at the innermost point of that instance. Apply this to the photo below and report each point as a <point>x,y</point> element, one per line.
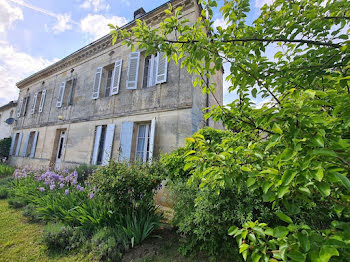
<point>17,202</point>
<point>6,170</point>
<point>105,245</point>
<point>3,192</point>
<point>204,217</point>
<point>7,182</point>
<point>127,186</point>
<point>5,145</point>
<point>57,236</point>
<point>31,213</point>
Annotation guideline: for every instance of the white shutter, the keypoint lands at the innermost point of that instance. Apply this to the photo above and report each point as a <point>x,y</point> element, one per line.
<point>107,150</point>
<point>151,139</point>
<point>42,100</point>
<point>126,141</point>
<point>18,147</point>
<point>96,145</point>
<point>25,149</point>
<point>133,70</point>
<point>61,94</point>
<point>32,151</point>
<point>20,105</point>
<point>162,68</point>
<point>97,83</point>
<point>34,103</point>
<point>116,77</point>
<point>12,143</point>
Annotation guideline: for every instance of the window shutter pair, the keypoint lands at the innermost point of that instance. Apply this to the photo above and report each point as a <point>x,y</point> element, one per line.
<point>32,150</point>
<point>20,105</point>
<point>61,94</point>
<point>126,140</point>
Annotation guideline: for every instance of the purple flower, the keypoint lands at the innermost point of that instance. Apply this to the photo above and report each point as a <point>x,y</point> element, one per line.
<point>52,186</point>
<point>61,185</point>
<point>66,192</point>
<point>91,195</point>
<point>80,188</point>
<point>42,189</point>
<point>47,182</point>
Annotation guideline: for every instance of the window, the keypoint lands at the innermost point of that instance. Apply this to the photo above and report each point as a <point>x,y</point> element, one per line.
<point>140,146</point>
<point>149,71</point>
<point>30,144</point>
<point>103,143</point>
<point>142,143</point>
<point>66,92</point>
<point>38,103</point>
<point>109,78</point>
<point>108,83</point>
<point>25,105</point>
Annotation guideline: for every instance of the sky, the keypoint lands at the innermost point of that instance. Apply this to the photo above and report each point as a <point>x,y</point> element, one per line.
<point>37,33</point>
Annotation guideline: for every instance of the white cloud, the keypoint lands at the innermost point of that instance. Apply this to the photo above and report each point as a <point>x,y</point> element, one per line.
<point>220,22</point>
<point>260,3</point>
<point>96,5</point>
<point>14,66</point>
<point>127,2</point>
<point>8,15</point>
<point>64,21</point>
<point>96,26</point>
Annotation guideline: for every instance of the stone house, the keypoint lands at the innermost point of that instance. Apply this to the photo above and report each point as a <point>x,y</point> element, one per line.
<point>105,102</point>
<point>6,113</point>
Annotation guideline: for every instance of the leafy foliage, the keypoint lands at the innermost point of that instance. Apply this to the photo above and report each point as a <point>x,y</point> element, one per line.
<point>5,145</point>
<point>292,152</point>
<point>6,170</point>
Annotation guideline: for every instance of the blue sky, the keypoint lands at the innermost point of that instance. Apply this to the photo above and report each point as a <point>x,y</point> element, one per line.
<point>36,33</point>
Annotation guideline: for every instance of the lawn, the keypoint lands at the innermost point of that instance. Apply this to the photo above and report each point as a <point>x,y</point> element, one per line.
<point>20,240</point>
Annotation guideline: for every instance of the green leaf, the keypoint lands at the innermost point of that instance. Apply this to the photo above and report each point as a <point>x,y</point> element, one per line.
<point>324,188</point>
<point>250,181</point>
<point>287,154</point>
<point>276,129</point>
<point>245,168</point>
<point>318,174</point>
<point>282,191</point>
<point>296,255</point>
<point>188,166</point>
<point>324,152</point>
<point>287,177</point>
<point>304,241</point>
<point>342,178</point>
<point>232,230</point>
<point>284,217</point>
<point>254,91</point>
<point>318,140</point>
<point>280,232</point>
<point>256,257</point>
<point>327,252</point>
<point>243,247</point>
<point>190,152</point>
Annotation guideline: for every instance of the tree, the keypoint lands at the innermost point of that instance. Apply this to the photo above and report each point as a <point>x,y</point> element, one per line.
<point>294,150</point>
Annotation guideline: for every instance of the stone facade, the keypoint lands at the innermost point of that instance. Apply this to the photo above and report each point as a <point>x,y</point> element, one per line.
<point>7,111</point>
<point>86,108</point>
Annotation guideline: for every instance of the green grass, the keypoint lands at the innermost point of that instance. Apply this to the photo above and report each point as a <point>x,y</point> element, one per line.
<point>21,241</point>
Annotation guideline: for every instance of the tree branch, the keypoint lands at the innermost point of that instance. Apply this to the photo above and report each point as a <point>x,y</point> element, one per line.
<point>269,40</point>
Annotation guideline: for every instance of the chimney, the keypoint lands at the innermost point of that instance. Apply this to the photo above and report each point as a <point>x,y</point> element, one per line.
<point>139,12</point>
